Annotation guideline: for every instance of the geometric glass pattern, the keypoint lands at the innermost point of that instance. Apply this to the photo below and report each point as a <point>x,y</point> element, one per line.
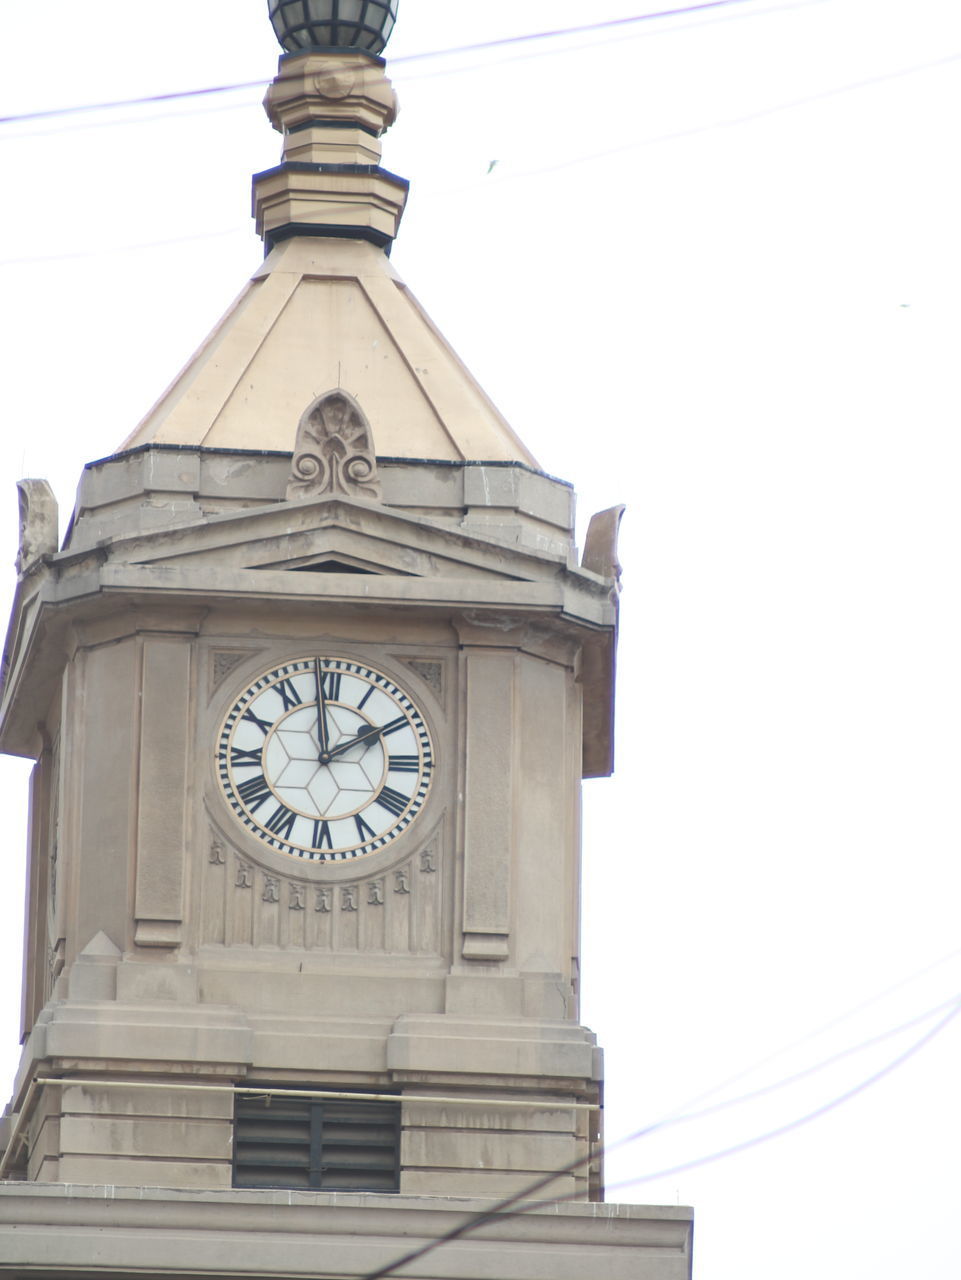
<point>345,24</point>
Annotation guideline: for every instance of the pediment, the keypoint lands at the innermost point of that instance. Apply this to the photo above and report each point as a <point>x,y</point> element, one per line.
<point>338,553</point>
<point>335,536</point>
<point>331,564</point>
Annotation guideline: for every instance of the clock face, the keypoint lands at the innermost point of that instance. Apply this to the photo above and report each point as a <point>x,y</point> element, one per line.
<point>325,759</point>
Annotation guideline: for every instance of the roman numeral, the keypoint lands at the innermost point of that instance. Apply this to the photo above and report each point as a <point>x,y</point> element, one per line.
<point>262,725</point>
<point>281,822</point>
<point>363,831</point>
<point>289,694</point>
<point>404,764</point>
<point>332,685</point>
<point>322,836</point>
<point>255,792</point>
<point>364,699</point>
<point>239,759</point>
<point>393,801</point>
<point>394,725</point>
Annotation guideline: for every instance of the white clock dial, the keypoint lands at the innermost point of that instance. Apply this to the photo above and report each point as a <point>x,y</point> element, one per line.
<point>325,759</point>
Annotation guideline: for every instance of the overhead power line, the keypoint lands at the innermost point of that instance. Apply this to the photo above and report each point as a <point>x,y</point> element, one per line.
<point>544,171</point>
<point>131,102</point>
<point>572,31</point>
<point>728,123</point>
<point>619,38</point>
<point>687,1117</point>
<point>759,1139</point>
<point>411,57</point>
<point>140,247</point>
<point>846,1016</point>
<point>455,69</point>
<point>520,1202</point>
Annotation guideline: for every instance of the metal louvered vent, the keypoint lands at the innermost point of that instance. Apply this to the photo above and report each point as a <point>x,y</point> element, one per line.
<point>314,1145</point>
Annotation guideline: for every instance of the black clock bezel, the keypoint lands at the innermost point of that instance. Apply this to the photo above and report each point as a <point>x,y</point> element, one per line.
<point>335,662</point>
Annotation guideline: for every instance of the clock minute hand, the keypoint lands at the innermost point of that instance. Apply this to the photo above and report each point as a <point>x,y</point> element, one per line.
<point>321,714</point>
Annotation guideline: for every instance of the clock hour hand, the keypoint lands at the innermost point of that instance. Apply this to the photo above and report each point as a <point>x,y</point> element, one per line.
<point>365,738</point>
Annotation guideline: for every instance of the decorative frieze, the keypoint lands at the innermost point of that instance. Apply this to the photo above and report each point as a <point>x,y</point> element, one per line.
<point>398,912</point>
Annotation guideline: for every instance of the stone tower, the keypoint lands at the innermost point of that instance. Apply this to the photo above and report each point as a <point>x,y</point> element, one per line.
<point>311,687</point>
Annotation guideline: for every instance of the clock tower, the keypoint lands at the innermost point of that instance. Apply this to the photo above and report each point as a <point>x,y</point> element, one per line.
<point>311,687</point>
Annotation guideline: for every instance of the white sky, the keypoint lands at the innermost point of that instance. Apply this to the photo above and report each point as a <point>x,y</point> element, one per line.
<point>703,281</point>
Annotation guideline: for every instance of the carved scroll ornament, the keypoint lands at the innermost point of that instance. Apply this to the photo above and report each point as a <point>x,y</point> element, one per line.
<point>600,547</point>
<point>334,451</point>
<point>38,523</point>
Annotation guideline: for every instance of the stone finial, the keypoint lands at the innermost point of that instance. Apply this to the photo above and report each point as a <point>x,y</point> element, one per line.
<point>334,451</point>
<point>38,523</point>
<point>331,109</point>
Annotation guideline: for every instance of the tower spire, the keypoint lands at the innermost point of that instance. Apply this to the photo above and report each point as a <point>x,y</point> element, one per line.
<point>311,688</point>
<point>332,102</point>
<point>326,310</point>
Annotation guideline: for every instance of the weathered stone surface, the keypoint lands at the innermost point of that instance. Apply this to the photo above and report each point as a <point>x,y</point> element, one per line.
<point>178,951</point>
<point>340,305</point>
<point>166,1234</point>
<point>39,531</point>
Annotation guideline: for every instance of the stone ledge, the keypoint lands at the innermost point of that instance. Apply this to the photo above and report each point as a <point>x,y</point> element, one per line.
<point>52,1229</point>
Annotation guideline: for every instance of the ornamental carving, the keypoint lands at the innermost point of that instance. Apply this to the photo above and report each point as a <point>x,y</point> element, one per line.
<point>334,82</point>
<point>348,898</point>
<point>600,546</point>
<point>432,673</point>
<point>334,451</point>
<point>398,911</point>
<point>225,661</point>
<point>38,523</point>
<point>375,893</point>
